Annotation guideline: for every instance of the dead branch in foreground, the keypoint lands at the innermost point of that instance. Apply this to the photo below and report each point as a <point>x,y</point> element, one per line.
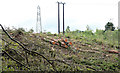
<point>33,52</point>
<point>14,59</point>
<point>27,51</point>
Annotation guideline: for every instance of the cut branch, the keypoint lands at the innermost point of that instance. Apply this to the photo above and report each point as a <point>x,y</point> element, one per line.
<point>18,53</point>
<point>90,51</point>
<point>15,59</point>
<point>25,48</point>
<point>60,61</point>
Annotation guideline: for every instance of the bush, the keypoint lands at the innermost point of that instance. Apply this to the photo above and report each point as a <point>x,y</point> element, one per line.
<point>99,32</point>
<point>88,32</point>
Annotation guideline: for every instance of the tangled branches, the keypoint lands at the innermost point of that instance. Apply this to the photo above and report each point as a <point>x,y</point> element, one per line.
<point>27,51</point>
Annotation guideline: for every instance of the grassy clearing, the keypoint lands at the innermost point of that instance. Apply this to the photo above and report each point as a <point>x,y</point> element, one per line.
<point>86,53</point>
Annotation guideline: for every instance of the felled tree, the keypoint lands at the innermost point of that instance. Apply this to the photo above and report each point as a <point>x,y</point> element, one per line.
<point>109,26</point>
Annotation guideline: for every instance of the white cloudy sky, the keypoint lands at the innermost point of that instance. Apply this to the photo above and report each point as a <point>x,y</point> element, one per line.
<point>78,13</point>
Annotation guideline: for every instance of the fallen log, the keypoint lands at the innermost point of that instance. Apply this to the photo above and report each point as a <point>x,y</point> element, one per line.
<point>56,42</point>
<point>90,51</point>
<point>113,51</point>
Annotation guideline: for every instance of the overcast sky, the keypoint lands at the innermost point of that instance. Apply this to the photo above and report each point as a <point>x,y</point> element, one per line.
<point>78,13</point>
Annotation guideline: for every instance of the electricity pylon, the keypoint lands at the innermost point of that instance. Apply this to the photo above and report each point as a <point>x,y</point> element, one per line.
<point>38,24</point>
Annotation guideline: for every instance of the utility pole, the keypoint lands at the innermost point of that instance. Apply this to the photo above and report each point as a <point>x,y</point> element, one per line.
<point>58,17</point>
<point>119,33</point>
<point>63,19</point>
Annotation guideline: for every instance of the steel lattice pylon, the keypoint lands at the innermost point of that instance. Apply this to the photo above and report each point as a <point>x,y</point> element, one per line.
<point>38,24</point>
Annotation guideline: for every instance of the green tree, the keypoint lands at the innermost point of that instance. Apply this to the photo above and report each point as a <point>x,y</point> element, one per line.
<point>21,29</point>
<point>68,29</point>
<point>31,31</point>
<point>109,26</point>
<point>88,27</point>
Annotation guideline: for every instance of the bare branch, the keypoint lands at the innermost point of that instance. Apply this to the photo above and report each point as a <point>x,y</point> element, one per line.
<point>14,59</point>
<point>60,61</point>
<point>25,48</point>
<point>18,53</point>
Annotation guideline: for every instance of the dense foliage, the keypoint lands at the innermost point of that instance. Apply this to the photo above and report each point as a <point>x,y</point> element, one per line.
<point>109,26</point>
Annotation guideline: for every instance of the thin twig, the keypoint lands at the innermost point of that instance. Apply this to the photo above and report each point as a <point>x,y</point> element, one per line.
<point>91,68</point>
<point>26,57</point>
<point>60,61</point>
<point>14,59</point>
<point>18,53</point>
<point>11,48</point>
<point>25,48</point>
